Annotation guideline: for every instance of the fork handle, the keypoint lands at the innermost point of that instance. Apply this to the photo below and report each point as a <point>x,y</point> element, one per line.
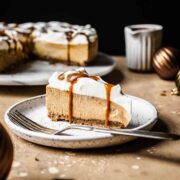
<point>144,134</point>
<point>133,133</point>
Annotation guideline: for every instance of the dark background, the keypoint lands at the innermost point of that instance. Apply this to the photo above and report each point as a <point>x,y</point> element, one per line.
<point>108,16</point>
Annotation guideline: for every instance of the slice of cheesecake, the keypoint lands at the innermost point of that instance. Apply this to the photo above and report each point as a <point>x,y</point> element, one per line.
<point>76,97</point>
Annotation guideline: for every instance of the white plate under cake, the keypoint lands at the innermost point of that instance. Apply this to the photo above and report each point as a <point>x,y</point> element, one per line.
<point>37,72</point>
<point>143,116</point>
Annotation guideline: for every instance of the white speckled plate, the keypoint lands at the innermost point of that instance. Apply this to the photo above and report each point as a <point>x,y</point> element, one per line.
<point>144,116</point>
<point>38,72</point>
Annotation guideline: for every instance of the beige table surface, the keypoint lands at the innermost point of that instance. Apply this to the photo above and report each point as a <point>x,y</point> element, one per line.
<point>140,159</point>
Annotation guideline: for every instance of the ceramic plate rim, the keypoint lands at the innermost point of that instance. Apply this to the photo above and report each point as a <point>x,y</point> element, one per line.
<point>14,127</point>
<point>37,82</point>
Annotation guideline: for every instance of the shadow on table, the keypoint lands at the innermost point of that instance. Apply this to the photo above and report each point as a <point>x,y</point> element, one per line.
<point>137,145</point>
<point>142,72</point>
<point>22,90</point>
<point>143,147</point>
<point>115,77</point>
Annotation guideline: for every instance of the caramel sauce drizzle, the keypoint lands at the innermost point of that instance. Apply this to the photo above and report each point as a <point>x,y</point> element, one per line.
<point>69,37</point>
<point>108,102</point>
<point>73,78</point>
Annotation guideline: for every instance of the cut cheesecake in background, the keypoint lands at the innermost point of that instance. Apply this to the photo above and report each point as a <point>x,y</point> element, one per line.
<point>76,97</point>
<point>68,43</point>
<point>51,41</point>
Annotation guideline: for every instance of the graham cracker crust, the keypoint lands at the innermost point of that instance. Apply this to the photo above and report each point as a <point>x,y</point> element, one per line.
<point>90,122</point>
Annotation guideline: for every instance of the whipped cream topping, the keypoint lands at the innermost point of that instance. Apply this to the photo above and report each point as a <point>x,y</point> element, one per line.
<point>90,87</point>
<point>60,38</point>
<point>51,37</point>
<point>53,32</point>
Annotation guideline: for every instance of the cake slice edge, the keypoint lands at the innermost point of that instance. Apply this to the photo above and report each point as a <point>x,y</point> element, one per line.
<point>87,110</point>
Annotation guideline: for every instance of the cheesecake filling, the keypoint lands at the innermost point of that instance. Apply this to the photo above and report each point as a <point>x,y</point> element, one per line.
<point>79,82</point>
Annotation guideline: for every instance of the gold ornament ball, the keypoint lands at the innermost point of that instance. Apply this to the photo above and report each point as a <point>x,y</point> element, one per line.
<point>166,62</point>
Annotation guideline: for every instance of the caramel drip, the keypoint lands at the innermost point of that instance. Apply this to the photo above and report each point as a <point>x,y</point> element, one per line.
<point>108,103</point>
<point>69,38</point>
<point>73,78</point>
<point>3,33</point>
<point>70,102</point>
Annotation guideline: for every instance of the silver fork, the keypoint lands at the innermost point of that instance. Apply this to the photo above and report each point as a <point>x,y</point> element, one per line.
<point>19,119</point>
<point>23,121</point>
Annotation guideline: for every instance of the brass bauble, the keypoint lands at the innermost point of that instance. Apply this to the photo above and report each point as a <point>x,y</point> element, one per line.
<point>6,153</point>
<point>166,62</point>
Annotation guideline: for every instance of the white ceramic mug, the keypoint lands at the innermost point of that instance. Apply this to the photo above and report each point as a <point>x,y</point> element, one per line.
<point>142,40</point>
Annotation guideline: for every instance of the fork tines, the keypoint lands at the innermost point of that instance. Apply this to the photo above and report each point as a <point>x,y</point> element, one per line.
<point>25,122</point>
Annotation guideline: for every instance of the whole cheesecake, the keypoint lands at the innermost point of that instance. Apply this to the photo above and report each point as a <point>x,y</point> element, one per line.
<point>76,97</point>
<point>51,41</point>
